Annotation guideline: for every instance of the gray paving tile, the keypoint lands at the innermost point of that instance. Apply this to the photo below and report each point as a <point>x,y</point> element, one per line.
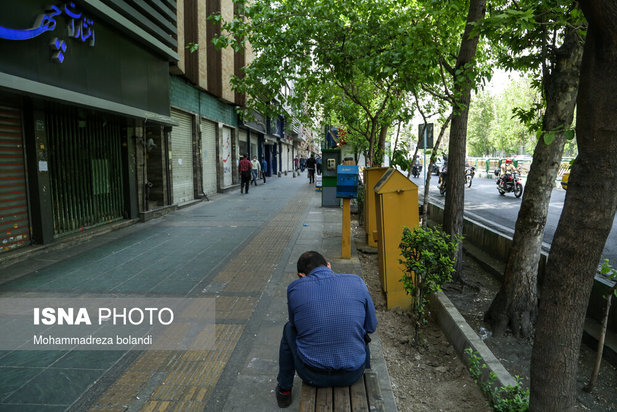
<point>55,387</point>
<point>88,359</point>
<point>31,408</point>
<point>12,379</point>
<point>31,358</point>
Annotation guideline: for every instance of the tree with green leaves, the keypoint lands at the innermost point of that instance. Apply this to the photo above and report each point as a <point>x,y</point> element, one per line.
<point>586,219</point>
<point>464,79</point>
<point>545,41</point>
<point>510,133</point>
<point>493,128</point>
<point>480,133</point>
<point>332,52</point>
<point>373,52</point>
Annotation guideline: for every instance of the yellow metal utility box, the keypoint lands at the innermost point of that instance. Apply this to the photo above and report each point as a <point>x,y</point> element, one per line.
<point>396,204</point>
<point>371,177</point>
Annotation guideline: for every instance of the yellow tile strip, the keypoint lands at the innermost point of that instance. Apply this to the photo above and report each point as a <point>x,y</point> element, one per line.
<point>191,375</point>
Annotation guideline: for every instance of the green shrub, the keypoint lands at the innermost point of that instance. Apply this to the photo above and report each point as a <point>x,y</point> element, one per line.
<point>509,398</point>
<point>360,201</point>
<point>428,258</point>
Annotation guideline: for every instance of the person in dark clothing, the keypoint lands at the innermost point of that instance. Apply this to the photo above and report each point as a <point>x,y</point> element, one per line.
<point>326,338</point>
<point>244,168</point>
<point>310,165</point>
<point>264,169</point>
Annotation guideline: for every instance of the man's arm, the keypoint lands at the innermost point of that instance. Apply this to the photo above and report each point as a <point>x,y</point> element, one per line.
<point>370,320</point>
<point>289,312</point>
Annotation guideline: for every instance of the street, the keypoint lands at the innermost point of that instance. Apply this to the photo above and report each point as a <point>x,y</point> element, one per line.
<point>484,204</point>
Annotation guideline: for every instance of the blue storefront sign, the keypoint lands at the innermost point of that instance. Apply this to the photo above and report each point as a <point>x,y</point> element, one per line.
<point>78,26</point>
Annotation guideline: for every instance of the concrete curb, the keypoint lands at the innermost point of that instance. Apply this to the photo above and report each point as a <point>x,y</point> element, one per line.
<point>462,336</point>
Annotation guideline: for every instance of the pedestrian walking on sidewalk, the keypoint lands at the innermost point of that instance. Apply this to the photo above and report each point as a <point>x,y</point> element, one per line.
<point>255,170</point>
<point>326,338</point>
<point>264,169</point>
<point>245,173</point>
<point>310,165</point>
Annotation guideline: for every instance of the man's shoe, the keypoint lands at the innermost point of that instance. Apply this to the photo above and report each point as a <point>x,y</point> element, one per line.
<point>283,398</point>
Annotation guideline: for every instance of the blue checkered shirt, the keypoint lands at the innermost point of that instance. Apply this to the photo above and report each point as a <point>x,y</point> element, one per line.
<point>332,313</point>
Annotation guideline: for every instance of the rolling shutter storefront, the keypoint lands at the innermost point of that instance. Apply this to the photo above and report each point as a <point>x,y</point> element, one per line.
<point>226,148</point>
<point>254,141</point>
<point>208,151</point>
<point>285,158</point>
<point>85,170</point>
<point>14,222</point>
<point>182,157</point>
<point>244,145</point>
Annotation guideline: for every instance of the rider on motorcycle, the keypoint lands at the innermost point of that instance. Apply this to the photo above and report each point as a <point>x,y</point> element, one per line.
<point>443,175</point>
<point>507,168</point>
<point>416,167</point>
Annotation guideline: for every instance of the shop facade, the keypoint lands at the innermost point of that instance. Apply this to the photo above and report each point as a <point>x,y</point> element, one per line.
<point>84,117</point>
<point>212,139</point>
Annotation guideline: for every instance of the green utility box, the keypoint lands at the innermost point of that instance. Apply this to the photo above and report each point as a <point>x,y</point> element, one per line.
<point>331,158</point>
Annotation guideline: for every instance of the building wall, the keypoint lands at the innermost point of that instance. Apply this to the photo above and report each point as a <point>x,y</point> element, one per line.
<point>184,95</point>
<point>207,67</point>
<point>85,86</point>
<point>202,38</point>
<point>180,35</point>
<point>227,56</point>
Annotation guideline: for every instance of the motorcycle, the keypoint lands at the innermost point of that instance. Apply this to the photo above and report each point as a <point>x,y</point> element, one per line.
<point>470,172</point>
<point>415,170</point>
<point>509,182</point>
<point>442,180</point>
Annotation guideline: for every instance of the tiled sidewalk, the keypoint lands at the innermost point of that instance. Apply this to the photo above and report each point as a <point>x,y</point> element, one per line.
<point>239,249</point>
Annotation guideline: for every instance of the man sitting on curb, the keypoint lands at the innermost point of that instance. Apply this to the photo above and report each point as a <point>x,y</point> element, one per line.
<point>326,338</point>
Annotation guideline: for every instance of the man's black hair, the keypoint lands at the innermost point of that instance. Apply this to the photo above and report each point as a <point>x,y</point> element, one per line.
<point>309,261</point>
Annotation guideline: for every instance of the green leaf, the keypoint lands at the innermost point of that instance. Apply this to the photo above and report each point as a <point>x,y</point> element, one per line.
<point>549,138</point>
<point>569,134</point>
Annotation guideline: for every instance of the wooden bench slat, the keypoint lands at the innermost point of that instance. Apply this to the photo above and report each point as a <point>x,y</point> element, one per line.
<point>359,400</point>
<point>362,396</point>
<point>342,401</point>
<point>324,400</point>
<point>373,392</point>
<point>308,394</point>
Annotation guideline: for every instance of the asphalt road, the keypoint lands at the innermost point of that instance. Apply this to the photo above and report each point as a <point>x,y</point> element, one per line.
<point>484,204</point>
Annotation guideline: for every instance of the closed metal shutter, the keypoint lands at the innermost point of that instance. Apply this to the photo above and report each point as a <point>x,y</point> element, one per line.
<point>254,150</point>
<point>85,169</point>
<point>182,157</point>
<point>208,150</point>
<point>285,156</point>
<point>244,145</point>
<point>14,222</point>
<point>226,148</point>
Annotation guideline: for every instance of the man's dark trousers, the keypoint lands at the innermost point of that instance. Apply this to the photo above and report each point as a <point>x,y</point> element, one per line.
<point>289,363</point>
<point>245,180</point>
<point>311,175</point>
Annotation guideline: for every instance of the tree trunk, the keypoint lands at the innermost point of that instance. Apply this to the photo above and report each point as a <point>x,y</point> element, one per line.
<point>455,189</point>
<point>516,303</point>
<point>585,221</point>
<point>601,339</point>
<point>371,145</point>
<point>381,146</point>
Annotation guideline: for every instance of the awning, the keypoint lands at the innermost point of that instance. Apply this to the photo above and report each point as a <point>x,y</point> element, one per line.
<point>20,84</point>
<point>270,140</point>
